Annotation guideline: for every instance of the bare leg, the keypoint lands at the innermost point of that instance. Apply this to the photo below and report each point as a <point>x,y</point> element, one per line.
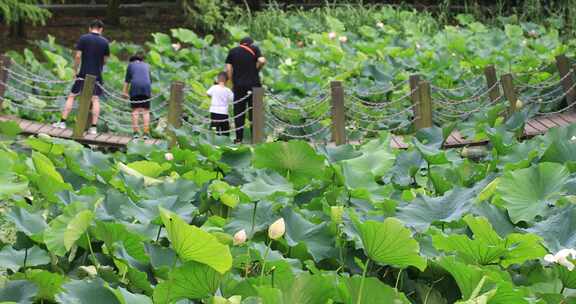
<point>135,118</point>
<point>68,106</point>
<point>95,109</point>
<point>146,118</point>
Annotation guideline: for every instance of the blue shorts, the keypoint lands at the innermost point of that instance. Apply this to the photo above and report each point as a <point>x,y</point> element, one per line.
<point>79,84</point>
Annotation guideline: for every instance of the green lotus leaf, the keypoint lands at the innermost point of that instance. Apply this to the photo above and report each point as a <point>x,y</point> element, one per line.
<point>557,231</point>
<point>77,227</point>
<point>147,168</point>
<point>48,283</point>
<point>310,289</point>
<point>29,223</point>
<point>390,243</point>
<point>125,297</point>
<point>318,239</point>
<point>190,281</point>
<point>296,160</point>
<point>15,259</point>
<point>247,216</point>
<point>373,292</point>
<point>194,244</point>
<point>86,292</point>
<point>19,291</point>
<point>267,184</point>
<point>529,193</point>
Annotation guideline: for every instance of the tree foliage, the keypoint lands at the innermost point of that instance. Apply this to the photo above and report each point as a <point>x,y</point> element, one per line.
<point>14,11</point>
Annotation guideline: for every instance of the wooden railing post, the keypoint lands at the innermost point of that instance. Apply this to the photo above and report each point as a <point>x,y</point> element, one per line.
<point>491,82</point>
<point>563,64</point>
<point>338,113</point>
<point>510,92</point>
<point>4,66</point>
<point>175,109</point>
<point>425,101</point>
<point>414,81</point>
<point>258,116</point>
<point>84,106</point>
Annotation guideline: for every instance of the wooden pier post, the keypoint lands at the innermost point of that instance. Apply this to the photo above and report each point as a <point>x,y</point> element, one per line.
<point>414,82</point>
<point>258,116</point>
<point>175,109</point>
<point>85,104</point>
<point>491,81</point>
<point>338,113</point>
<point>4,65</point>
<point>425,102</point>
<point>563,64</point>
<point>510,92</point>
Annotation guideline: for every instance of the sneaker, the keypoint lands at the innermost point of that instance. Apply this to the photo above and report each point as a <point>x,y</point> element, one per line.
<point>92,131</point>
<point>59,125</point>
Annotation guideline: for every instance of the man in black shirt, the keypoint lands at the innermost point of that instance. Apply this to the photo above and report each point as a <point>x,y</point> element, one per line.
<point>92,51</point>
<point>243,65</point>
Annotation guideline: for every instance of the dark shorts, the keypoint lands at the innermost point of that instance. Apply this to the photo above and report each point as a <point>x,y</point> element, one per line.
<point>79,83</point>
<point>135,104</point>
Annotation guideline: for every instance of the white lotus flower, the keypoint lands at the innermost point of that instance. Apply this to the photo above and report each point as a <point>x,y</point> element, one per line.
<point>277,229</point>
<point>176,46</point>
<point>418,46</point>
<point>380,25</point>
<point>332,35</point>
<point>343,39</point>
<point>562,257</point>
<point>240,237</point>
<point>89,271</point>
<point>573,138</point>
<point>169,156</point>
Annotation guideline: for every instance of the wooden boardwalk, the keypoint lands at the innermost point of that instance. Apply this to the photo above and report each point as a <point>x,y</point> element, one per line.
<point>535,126</point>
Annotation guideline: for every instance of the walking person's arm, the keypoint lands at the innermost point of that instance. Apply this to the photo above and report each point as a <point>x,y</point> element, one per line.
<point>229,71</point>
<point>260,63</point>
<point>77,62</point>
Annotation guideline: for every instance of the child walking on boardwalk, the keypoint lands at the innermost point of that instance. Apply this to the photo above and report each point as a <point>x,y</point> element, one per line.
<point>138,86</point>
<point>221,97</point>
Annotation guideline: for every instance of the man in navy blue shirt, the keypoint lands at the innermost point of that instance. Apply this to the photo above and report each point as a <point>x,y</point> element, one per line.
<point>92,51</point>
<point>243,65</point>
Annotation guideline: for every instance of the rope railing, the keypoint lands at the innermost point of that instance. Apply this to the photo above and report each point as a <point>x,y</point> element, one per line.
<point>543,84</point>
<point>451,102</point>
<point>381,104</point>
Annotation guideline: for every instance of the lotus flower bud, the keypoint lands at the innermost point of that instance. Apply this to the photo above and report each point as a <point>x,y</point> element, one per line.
<point>240,237</point>
<point>573,138</point>
<point>89,271</point>
<point>176,46</point>
<point>277,229</point>
<point>380,25</point>
<point>519,104</point>
<point>343,39</point>
<point>169,156</point>
<point>332,35</point>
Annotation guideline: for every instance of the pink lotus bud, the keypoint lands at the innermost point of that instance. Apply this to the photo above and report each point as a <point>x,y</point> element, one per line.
<point>277,229</point>
<point>332,35</point>
<point>343,39</point>
<point>240,237</point>
<point>169,156</point>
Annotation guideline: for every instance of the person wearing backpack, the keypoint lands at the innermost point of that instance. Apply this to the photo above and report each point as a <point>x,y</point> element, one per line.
<point>243,65</point>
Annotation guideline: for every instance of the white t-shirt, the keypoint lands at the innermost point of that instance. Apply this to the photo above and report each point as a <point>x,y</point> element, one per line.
<point>221,97</point>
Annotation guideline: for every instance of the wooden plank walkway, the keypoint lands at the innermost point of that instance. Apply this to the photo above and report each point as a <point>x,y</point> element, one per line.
<point>535,126</point>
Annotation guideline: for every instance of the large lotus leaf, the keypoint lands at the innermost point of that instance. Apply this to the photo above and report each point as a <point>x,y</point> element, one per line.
<point>125,297</point>
<point>19,291</point>
<point>528,193</point>
<point>390,243</point>
<point>147,211</point>
<point>269,295</point>
<point>266,184</point>
<point>194,244</point>
<point>15,259</point>
<point>259,215</point>
<point>77,227</point>
<point>317,238</point>
<point>48,283</point>
<point>87,163</point>
<point>558,230</point>
<point>184,189</point>
<point>377,157</point>
<point>339,153</point>
<point>111,233</point>
<point>54,234</point>
<point>9,129</point>
<point>48,180</point>
<point>425,210</point>
<point>29,223</point>
<point>86,292</point>
<point>497,217</point>
<point>295,159</point>
<point>148,168</point>
<point>487,247</point>
<point>405,168</point>
<point>562,149</point>
<point>190,281</point>
<point>9,185</point>
<point>373,292</point>
<point>310,289</point>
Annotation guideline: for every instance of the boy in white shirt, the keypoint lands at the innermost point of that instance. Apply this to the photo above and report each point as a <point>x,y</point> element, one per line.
<point>221,97</point>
